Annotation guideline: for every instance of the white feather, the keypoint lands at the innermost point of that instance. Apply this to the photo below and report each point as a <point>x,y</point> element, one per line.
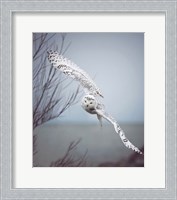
<point>72,70</point>
<point>89,102</point>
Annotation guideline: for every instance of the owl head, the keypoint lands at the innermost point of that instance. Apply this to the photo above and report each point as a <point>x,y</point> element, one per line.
<point>89,103</point>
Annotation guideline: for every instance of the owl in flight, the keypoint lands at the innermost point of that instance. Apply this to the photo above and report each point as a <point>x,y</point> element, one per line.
<point>89,102</point>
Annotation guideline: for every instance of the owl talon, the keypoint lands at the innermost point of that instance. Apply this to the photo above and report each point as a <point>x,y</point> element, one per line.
<point>100,120</point>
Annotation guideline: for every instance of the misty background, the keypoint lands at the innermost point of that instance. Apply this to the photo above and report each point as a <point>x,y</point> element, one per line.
<point>115,61</point>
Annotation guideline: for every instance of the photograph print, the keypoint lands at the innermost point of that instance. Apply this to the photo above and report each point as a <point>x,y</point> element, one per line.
<point>88,99</point>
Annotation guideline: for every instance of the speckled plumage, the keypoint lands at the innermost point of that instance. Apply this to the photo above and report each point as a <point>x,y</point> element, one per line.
<point>89,102</point>
<point>92,106</point>
<point>72,70</point>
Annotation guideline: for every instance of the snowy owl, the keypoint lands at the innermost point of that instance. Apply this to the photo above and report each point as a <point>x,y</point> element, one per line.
<point>89,102</point>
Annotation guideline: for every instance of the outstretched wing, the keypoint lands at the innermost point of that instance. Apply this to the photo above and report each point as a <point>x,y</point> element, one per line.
<point>127,143</point>
<point>72,70</point>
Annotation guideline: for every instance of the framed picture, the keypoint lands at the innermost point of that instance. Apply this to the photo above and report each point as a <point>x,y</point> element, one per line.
<point>74,146</point>
<point>88,100</point>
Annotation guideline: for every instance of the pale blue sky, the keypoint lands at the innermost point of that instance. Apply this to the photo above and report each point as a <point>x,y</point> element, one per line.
<point>116,62</point>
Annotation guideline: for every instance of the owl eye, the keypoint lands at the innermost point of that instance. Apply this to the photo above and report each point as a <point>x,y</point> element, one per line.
<point>90,102</point>
<point>85,101</point>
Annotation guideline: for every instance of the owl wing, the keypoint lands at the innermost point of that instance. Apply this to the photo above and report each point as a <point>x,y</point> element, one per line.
<point>127,143</point>
<point>72,70</point>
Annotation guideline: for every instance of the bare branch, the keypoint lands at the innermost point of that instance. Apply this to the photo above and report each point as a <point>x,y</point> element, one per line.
<point>68,160</point>
<point>48,99</point>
